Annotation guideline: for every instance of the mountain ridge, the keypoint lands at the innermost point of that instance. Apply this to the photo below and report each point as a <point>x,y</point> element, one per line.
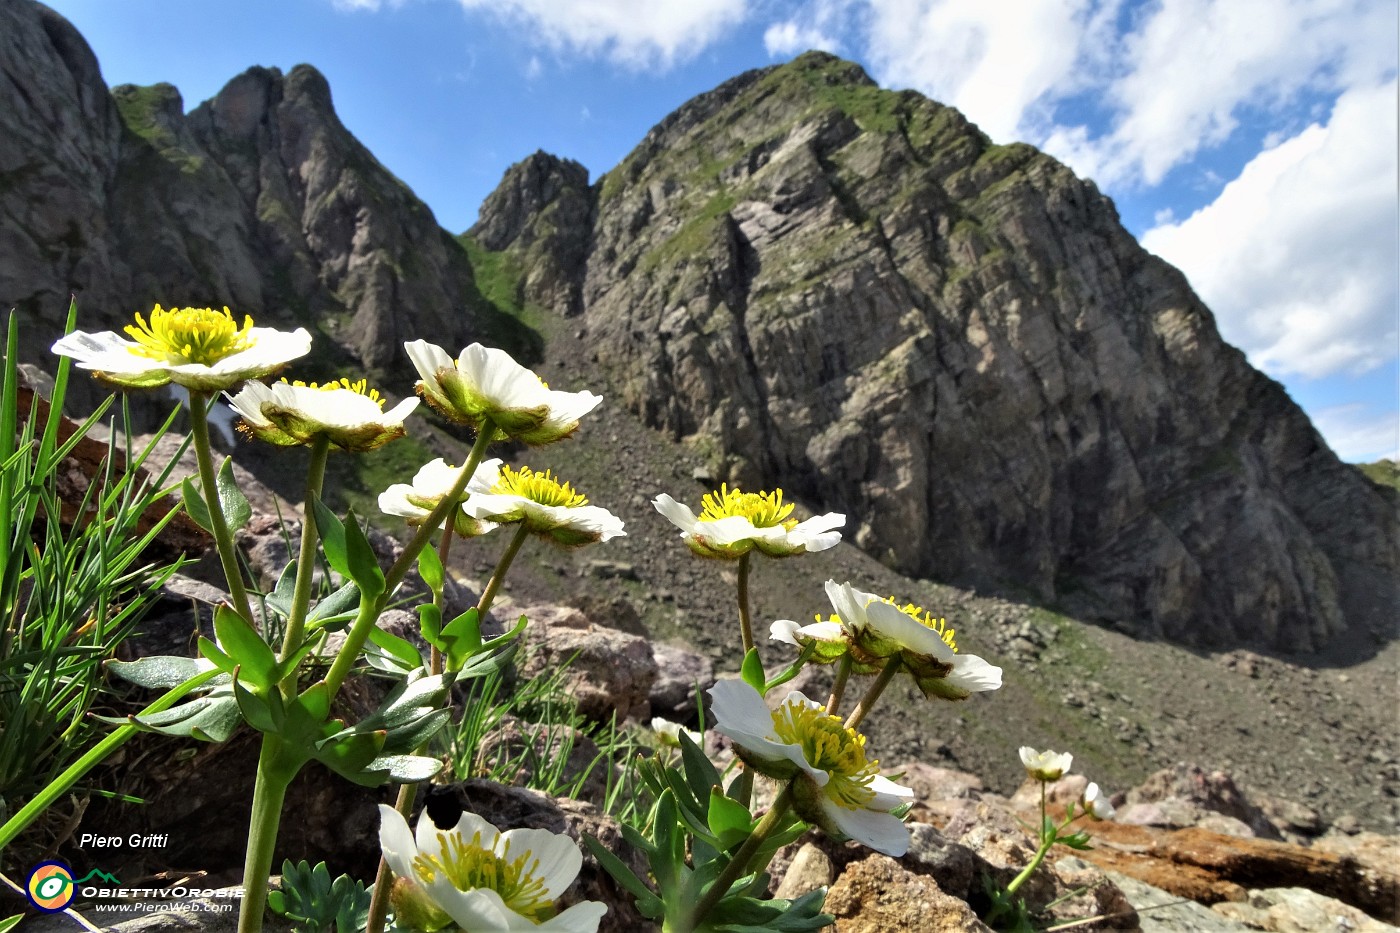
<point>818,283</point>
<point>1019,395</point>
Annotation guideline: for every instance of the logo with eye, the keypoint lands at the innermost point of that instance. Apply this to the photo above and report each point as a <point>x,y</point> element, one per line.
<point>50,887</point>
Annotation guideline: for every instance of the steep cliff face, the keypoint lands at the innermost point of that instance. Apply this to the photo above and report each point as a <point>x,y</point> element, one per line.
<point>852,293</point>
<point>259,199</point>
<point>842,290</point>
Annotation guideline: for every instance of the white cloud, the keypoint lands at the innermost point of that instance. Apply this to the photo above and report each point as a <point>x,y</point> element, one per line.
<point>533,68</point>
<point>1297,256</point>
<point>1193,66</point>
<point>996,62</point>
<point>639,34</point>
<point>1358,434</point>
<point>1172,78</point>
<point>790,37</point>
<point>812,26</point>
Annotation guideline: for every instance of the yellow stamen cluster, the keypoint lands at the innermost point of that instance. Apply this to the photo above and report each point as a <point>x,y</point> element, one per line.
<point>189,335</point>
<point>359,387</point>
<point>537,487</point>
<point>467,865</point>
<point>929,621</point>
<point>762,509</point>
<point>827,744</point>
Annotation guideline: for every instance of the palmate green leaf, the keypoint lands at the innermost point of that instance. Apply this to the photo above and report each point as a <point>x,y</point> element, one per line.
<point>700,772</point>
<point>262,713</point>
<point>280,599</point>
<point>430,624</point>
<point>729,821</point>
<point>332,533</point>
<point>349,753</point>
<point>209,718</point>
<point>751,671</point>
<point>195,505</point>
<point>337,607</point>
<point>364,566</point>
<point>237,511</point>
<point>430,569</point>
<point>399,649</point>
<point>246,648</point>
<point>405,769</point>
<point>462,637</point>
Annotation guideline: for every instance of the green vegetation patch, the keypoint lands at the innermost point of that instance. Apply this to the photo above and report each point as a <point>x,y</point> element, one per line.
<point>138,107</point>
<point>1382,473</point>
<point>506,319</point>
<point>695,234</point>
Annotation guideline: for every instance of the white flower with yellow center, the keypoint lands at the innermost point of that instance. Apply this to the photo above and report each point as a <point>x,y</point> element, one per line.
<point>836,786</point>
<point>827,638</point>
<point>1047,765</point>
<point>669,733</point>
<point>198,348</point>
<point>878,630</point>
<point>414,502</point>
<point>348,414</point>
<point>484,382</point>
<point>732,523</point>
<point>546,506</point>
<point>1096,804</point>
<point>483,879</point>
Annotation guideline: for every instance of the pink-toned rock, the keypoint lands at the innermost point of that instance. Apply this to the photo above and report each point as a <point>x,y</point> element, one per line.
<point>611,672</point>
<point>1298,910</point>
<point>877,895</point>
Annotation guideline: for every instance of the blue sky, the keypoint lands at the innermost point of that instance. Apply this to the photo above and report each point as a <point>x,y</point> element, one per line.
<point>1250,142</point>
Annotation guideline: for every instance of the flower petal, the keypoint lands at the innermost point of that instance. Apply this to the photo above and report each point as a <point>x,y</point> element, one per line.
<point>583,917</point>
<point>427,358</point>
<point>476,909</point>
<point>972,674</point>
<point>679,513</point>
<point>559,857</point>
<point>880,831</point>
<point>888,794</point>
<point>397,841</point>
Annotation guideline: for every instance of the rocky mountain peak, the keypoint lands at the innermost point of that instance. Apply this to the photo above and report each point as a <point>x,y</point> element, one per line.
<point>542,211</point>
<point>819,284</point>
<point>854,294</point>
<point>259,199</point>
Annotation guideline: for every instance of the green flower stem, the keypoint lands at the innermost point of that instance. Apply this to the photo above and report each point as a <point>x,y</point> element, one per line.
<point>745,624</point>
<point>838,687</point>
<point>1049,835</point>
<point>488,595</point>
<point>370,609</point>
<point>1044,830</point>
<point>435,518</point>
<point>408,793</point>
<point>1030,869</point>
<point>867,702</point>
<point>739,865</point>
<point>223,538</point>
<point>355,639</point>
<point>277,765</point>
<point>74,772</point>
<point>306,561</point>
<point>384,877</point>
<point>444,549</point>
